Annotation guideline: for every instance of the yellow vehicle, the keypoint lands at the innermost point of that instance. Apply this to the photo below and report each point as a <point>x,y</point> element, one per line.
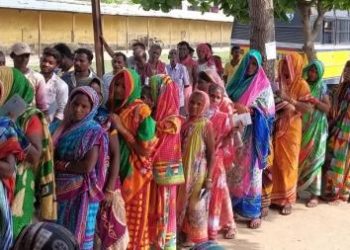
<point>332,44</point>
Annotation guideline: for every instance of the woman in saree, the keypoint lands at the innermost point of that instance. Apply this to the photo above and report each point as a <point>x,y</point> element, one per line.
<point>205,58</point>
<point>11,152</point>
<point>167,162</point>
<point>198,156</point>
<point>35,181</point>
<point>81,157</point>
<point>337,184</point>
<point>294,92</point>
<point>209,77</point>
<point>314,135</point>
<point>137,141</point>
<point>111,229</point>
<point>220,207</point>
<point>251,91</point>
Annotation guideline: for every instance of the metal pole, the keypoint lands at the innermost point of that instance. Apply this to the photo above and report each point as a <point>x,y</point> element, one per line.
<point>97,24</point>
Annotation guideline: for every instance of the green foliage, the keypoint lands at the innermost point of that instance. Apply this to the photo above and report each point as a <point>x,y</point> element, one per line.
<point>239,8</point>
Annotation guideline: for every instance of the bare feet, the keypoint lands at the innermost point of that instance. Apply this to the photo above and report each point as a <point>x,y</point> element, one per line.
<point>336,202</point>
<point>286,209</point>
<point>255,223</point>
<point>230,233</point>
<point>264,212</point>
<point>313,202</point>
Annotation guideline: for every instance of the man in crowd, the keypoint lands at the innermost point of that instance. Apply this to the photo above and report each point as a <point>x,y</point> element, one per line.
<point>56,88</point>
<point>179,75</point>
<point>66,64</point>
<point>231,67</point>
<point>20,54</point>
<point>118,63</point>
<point>186,59</point>
<point>139,49</point>
<point>82,74</point>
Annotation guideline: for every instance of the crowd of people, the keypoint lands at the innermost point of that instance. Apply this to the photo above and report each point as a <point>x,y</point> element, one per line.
<point>155,155</point>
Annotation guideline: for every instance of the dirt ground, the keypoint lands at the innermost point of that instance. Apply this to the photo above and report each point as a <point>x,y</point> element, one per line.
<point>322,228</point>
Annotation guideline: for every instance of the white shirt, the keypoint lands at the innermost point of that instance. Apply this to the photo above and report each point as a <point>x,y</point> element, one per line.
<point>37,81</point>
<point>57,96</point>
<point>179,75</point>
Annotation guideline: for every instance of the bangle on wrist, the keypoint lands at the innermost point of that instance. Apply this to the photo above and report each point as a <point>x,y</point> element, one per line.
<point>66,165</point>
<point>107,190</point>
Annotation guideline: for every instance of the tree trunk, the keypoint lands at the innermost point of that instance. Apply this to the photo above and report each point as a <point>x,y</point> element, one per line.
<point>310,30</point>
<point>262,31</point>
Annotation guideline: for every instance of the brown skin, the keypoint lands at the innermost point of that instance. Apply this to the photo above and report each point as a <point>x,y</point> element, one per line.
<point>7,166</point>
<point>154,55</point>
<point>47,66</point>
<point>119,94</point>
<point>183,54</point>
<point>201,56</point>
<point>113,171</point>
<point>107,47</point>
<point>78,109</point>
<point>195,108</point>
<point>35,150</point>
<point>118,64</point>
<point>173,57</point>
<point>203,85</point>
<point>66,64</point>
<point>301,107</point>
<point>21,62</point>
<point>324,104</point>
<point>236,57</point>
<point>81,66</point>
<point>98,90</point>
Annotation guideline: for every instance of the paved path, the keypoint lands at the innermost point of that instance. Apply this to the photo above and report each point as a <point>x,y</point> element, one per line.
<point>322,228</point>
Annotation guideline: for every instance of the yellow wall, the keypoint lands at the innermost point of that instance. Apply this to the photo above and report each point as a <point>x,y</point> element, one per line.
<point>76,28</point>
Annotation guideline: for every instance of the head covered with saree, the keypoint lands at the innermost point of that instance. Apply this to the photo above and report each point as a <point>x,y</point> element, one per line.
<point>316,86</point>
<point>205,49</point>
<point>73,139</point>
<point>340,92</point>
<point>131,82</point>
<point>73,142</point>
<point>294,63</point>
<point>165,95</point>
<point>12,82</point>
<point>205,98</point>
<point>244,88</point>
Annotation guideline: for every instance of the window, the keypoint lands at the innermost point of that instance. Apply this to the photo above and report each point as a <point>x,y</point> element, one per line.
<point>328,32</point>
<point>343,31</point>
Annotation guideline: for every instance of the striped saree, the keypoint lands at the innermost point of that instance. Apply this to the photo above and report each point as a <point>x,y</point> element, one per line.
<point>314,138</point>
<point>135,170</point>
<point>9,145</point>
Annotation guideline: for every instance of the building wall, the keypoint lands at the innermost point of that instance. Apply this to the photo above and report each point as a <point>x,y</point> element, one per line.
<point>41,28</point>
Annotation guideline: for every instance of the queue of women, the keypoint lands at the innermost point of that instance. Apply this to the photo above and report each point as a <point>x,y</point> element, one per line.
<point>137,174</point>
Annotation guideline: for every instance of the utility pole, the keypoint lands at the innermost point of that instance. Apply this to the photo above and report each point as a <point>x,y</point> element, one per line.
<point>97,24</point>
